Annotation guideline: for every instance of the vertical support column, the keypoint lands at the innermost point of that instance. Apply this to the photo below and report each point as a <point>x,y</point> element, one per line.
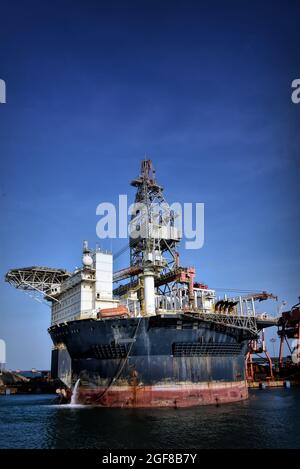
<point>191,276</point>
<point>149,292</point>
<point>267,354</point>
<point>241,306</point>
<point>281,348</point>
<point>249,364</point>
<point>253,306</point>
<point>270,365</point>
<point>251,367</point>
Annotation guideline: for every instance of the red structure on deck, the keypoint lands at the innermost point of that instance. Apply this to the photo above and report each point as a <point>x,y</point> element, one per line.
<point>289,329</point>
<point>257,347</point>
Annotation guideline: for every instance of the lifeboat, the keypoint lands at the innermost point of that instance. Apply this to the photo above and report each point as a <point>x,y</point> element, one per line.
<point>118,311</point>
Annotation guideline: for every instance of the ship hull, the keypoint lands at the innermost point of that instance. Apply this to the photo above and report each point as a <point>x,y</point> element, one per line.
<point>164,395</point>
<point>150,362</point>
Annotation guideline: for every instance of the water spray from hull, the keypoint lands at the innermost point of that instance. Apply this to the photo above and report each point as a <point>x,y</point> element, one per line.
<point>75,393</point>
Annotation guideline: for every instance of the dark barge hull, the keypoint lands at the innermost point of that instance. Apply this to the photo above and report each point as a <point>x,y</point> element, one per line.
<point>151,362</point>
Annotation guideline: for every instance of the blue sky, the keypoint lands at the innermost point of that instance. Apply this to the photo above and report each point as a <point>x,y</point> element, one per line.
<point>203,88</point>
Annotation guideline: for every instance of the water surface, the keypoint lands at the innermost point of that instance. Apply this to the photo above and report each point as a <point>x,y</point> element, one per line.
<point>269,419</point>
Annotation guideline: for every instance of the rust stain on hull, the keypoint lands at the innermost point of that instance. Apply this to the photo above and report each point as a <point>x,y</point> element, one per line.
<point>175,395</point>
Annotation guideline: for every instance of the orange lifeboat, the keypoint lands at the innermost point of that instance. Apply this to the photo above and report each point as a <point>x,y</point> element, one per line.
<point>118,311</point>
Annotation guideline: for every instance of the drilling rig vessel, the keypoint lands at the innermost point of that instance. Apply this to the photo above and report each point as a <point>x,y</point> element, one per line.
<point>160,339</point>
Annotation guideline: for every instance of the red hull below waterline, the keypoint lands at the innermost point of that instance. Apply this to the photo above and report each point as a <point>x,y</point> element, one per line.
<point>176,395</point>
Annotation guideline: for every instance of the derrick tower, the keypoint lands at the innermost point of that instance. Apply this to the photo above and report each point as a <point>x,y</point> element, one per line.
<point>153,235</point>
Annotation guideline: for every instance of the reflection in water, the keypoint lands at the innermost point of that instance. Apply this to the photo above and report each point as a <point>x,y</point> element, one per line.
<point>269,419</point>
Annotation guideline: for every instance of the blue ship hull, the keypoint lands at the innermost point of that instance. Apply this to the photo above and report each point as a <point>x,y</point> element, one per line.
<point>154,361</point>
